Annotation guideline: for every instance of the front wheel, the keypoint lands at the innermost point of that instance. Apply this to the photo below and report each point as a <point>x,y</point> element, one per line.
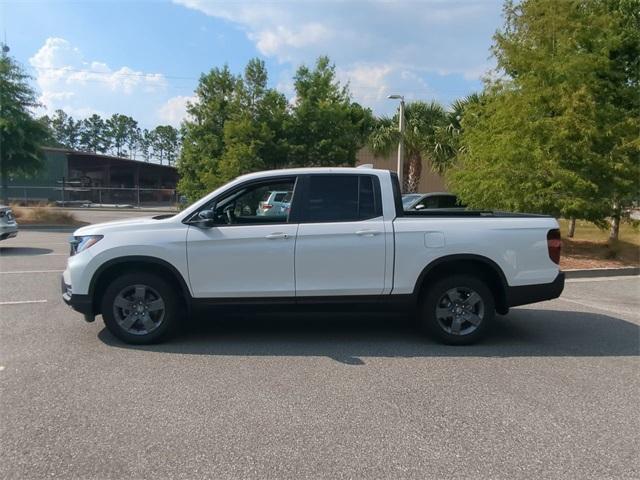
<point>140,308</point>
<point>457,310</point>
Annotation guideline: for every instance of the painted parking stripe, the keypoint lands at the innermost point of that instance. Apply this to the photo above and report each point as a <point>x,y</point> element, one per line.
<point>23,255</point>
<point>32,271</point>
<point>20,302</point>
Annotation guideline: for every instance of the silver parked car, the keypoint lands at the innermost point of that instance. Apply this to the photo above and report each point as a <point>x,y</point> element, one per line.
<point>8,224</point>
<point>275,203</point>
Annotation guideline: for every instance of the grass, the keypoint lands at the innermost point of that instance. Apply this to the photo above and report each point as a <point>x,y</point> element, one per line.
<point>43,215</point>
<point>629,232</point>
<point>591,248</point>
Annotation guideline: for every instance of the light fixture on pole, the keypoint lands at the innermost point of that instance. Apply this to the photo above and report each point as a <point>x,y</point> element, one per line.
<point>401,142</point>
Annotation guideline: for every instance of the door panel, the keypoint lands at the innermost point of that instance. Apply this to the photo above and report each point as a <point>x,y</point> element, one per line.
<point>242,261</point>
<point>341,258</point>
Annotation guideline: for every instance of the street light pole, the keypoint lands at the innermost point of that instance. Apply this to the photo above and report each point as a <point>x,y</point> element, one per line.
<point>401,127</point>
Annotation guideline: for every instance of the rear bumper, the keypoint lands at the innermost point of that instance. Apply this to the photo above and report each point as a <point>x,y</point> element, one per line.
<point>80,303</point>
<point>526,294</point>
<point>8,231</point>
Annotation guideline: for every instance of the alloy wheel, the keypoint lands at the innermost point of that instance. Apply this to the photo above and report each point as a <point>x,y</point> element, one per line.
<point>138,309</point>
<point>460,311</point>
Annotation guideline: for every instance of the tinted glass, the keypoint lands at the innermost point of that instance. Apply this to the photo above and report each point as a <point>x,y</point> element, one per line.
<point>367,200</point>
<point>341,198</point>
<point>332,198</point>
<point>448,201</point>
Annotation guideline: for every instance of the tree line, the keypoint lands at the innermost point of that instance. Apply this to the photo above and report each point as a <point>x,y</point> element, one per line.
<point>117,135</point>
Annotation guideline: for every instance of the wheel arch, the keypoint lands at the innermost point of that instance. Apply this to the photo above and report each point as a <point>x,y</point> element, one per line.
<point>484,267</point>
<point>137,263</point>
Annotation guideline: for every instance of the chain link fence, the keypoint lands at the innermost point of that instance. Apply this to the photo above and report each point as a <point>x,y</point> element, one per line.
<point>70,195</point>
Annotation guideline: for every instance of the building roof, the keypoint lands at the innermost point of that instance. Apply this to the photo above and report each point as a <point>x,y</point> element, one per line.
<point>105,157</point>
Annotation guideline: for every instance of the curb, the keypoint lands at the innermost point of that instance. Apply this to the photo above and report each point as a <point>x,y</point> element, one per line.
<point>602,272</point>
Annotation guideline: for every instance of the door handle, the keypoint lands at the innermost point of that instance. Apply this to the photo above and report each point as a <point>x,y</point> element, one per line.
<point>277,235</point>
<point>367,233</point>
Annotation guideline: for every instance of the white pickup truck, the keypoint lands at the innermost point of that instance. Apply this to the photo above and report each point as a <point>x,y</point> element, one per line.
<point>343,240</point>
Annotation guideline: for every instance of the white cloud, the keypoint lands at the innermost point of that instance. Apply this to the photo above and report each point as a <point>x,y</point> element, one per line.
<point>378,45</point>
<point>82,87</point>
<point>174,110</point>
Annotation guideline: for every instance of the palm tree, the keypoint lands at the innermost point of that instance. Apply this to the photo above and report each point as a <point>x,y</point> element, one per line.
<point>424,124</point>
<point>447,140</point>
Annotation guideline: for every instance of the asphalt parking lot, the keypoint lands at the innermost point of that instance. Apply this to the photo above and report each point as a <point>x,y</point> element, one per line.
<point>553,393</point>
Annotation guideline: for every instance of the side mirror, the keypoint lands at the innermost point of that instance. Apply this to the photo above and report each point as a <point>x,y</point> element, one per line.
<point>206,215</point>
<point>205,219</point>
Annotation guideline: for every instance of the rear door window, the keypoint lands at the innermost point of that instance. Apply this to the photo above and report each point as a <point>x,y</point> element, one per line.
<point>342,198</point>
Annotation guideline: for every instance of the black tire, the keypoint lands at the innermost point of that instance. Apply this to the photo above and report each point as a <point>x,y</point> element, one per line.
<point>461,327</point>
<point>156,288</point>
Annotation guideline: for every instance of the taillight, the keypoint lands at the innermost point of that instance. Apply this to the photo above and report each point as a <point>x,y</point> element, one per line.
<point>554,245</point>
<point>266,206</point>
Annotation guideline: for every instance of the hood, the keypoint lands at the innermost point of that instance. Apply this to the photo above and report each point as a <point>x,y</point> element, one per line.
<point>116,225</point>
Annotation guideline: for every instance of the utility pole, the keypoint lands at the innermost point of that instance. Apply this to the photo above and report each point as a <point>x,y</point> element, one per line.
<point>4,191</point>
<point>401,127</point>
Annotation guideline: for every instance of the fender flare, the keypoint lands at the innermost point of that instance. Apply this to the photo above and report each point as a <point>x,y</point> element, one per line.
<point>139,259</point>
<point>457,258</point>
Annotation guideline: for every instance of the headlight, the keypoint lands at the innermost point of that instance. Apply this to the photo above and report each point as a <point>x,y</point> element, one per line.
<point>78,244</point>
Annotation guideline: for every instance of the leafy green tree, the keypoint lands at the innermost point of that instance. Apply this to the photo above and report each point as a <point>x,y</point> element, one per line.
<point>254,135</point>
<point>325,128</point>
<point>50,141</point>
<point>165,143</point>
<point>237,124</point>
<point>558,131</point>
<point>66,130</point>
<point>203,131</point>
<point>134,138</point>
<point>94,136</point>
<point>21,136</point>
<point>424,124</point>
<point>120,128</point>
<point>145,142</point>
<point>447,143</point>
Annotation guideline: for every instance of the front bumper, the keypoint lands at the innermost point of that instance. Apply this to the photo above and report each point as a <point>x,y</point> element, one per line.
<point>80,303</point>
<point>526,294</point>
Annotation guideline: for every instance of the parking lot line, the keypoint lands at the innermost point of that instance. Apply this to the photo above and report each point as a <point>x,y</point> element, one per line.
<point>33,271</point>
<point>20,302</point>
<point>21,255</point>
<point>595,306</point>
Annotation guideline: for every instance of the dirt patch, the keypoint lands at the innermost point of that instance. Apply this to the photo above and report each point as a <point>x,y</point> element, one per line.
<point>585,254</point>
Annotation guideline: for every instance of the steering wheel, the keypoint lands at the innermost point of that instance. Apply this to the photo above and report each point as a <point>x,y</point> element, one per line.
<point>228,211</point>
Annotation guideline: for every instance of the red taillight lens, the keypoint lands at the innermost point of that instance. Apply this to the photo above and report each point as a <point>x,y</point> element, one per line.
<point>554,245</point>
<point>266,206</point>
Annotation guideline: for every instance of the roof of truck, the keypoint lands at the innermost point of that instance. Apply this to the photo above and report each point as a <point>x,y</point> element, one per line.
<point>301,171</point>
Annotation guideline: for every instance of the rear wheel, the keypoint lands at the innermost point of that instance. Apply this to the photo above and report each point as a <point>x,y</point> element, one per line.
<point>457,310</point>
<point>140,308</point>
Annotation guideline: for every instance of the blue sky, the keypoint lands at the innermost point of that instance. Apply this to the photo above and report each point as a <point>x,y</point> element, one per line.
<point>144,58</point>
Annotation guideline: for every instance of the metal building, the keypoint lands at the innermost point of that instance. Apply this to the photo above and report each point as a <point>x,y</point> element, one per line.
<point>75,177</point>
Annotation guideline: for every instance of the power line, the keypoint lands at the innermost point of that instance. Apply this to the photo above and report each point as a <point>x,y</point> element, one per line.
<point>351,84</point>
<point>111,73</point>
